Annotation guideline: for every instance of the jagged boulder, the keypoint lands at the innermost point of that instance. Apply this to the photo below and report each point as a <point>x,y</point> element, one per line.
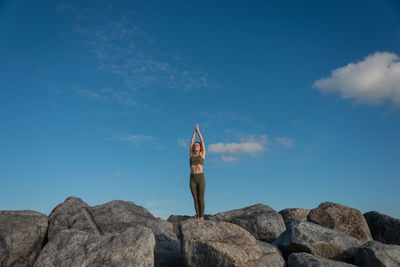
<point>116,217</point>
<point>70,247</point>
<point>312,238</point>
<point>294,214</point>
<point>383,228</point>
<point>22,235</point>
<point>212,243</point>
<point>303,259</point>
<point>262,221</point>
<point>343,218</point>
<point>175,220</point>
<point>376,254</point>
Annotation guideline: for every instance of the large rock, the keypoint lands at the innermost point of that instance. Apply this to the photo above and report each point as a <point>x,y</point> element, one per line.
<point>383,228</point>
<point>291,215</point>
<point>212,243</point>
<point>70,247</point>
<point>116,217</point>
<point>303,259</point>
<point>376,254</point>
<point>175,220</point>
<point>262,221</point>
<point>22,236</point>
<point>339,217</point>
<point>312,238</point>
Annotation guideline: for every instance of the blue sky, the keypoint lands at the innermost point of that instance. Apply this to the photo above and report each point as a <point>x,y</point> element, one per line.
<point>298,103</point>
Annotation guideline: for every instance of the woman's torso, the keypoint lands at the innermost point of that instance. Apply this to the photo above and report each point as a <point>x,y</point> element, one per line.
<point>196,164</point>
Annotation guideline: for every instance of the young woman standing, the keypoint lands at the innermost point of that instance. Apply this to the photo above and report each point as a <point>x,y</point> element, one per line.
<point>197,181</point>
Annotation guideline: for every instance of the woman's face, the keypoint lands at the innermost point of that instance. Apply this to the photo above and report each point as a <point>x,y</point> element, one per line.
<point>196,147</point>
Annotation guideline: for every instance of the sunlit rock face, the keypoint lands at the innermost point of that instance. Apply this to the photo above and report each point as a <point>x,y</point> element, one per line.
<point>212,243</point>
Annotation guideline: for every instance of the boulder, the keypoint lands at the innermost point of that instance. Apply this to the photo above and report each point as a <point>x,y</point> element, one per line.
<point>115,217</point>
<point>303,259</point>
<point>291,215</point>
<point>212,243</point>
<point>312,238</point>
<point>22,236</point>
<point>384,228</point>
<point>70,247</point>
<point>376,254</point>
<point>260,220</point>
<point>175,220</point>
<point>339,217</point>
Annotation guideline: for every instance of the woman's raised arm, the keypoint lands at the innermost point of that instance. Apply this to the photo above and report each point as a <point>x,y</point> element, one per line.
<point>203,146</point>
<point>192,141</point>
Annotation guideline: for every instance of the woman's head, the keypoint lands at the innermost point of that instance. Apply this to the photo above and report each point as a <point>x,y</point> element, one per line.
<point>197,147</point>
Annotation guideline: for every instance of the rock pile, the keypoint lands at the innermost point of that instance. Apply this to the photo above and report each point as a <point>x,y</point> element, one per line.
<point>120,233</point>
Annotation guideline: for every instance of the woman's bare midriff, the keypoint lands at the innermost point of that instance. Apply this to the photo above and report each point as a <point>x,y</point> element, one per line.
<point>196,168</point>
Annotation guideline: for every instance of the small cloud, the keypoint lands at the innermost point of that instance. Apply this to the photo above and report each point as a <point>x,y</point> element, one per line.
<point>107,95</point>
<point>182,142</point>
<point>373,80</point>
<point>287,142</point>
<point>251,145</point>
<point>229,158</point>
<point>151,204</point>
<point>117,174</point>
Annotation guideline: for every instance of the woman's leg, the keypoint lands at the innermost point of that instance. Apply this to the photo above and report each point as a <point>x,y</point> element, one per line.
<point>201,188</point>
<point>193,189</point>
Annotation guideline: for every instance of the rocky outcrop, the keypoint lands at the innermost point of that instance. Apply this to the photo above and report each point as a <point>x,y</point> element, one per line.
<point>339,217</point>
<point>383,228</point>
<point>213,243</point>
<point>294,214</point>
<point>70,247</point>
<point>120,233</point>
<point>116,217</point>
<point>303,259</point>
<point>315,239</point>
<point>262,221</point>
<point>376,254</point>
<point>22,235</point>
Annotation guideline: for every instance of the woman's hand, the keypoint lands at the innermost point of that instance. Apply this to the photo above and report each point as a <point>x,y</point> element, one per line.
<point>197,127</point>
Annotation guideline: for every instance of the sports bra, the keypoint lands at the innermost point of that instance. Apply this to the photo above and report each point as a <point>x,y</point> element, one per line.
<point>196,160</point>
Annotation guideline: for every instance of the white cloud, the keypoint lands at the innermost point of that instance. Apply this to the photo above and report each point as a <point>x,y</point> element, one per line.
<point>117,174</point>
<point>134,139</point>
<point>107,95</point>
<point>183,143</point>
<point>229,158</point>
<point>126,51</point>
<point>285,141</point>
<point>252,145</point>
<point>373,80</point>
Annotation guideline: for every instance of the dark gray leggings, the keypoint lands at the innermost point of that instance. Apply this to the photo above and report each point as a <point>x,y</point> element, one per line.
<point>198,186</point>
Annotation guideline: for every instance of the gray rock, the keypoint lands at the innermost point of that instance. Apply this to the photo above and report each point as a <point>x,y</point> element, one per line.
<point>376,254</point>
<point>343,218</point>
<point>303,259</point>
<point>22,236</point>
<point>175,220</point>
<point>383,228</point>
<point>211,243</point>
<point>70,247</point>
<point>115,217</point>
<point>312,238</point>
<point>262,221</point>
<point>291,215</point>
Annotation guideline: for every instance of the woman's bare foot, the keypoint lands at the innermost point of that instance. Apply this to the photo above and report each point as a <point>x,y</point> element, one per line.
<point>201,218</point>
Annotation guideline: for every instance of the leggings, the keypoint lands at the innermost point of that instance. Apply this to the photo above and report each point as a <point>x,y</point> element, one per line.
<point>198,186</point>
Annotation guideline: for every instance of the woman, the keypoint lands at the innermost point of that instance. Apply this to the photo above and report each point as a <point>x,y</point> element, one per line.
<point>197,181</point>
